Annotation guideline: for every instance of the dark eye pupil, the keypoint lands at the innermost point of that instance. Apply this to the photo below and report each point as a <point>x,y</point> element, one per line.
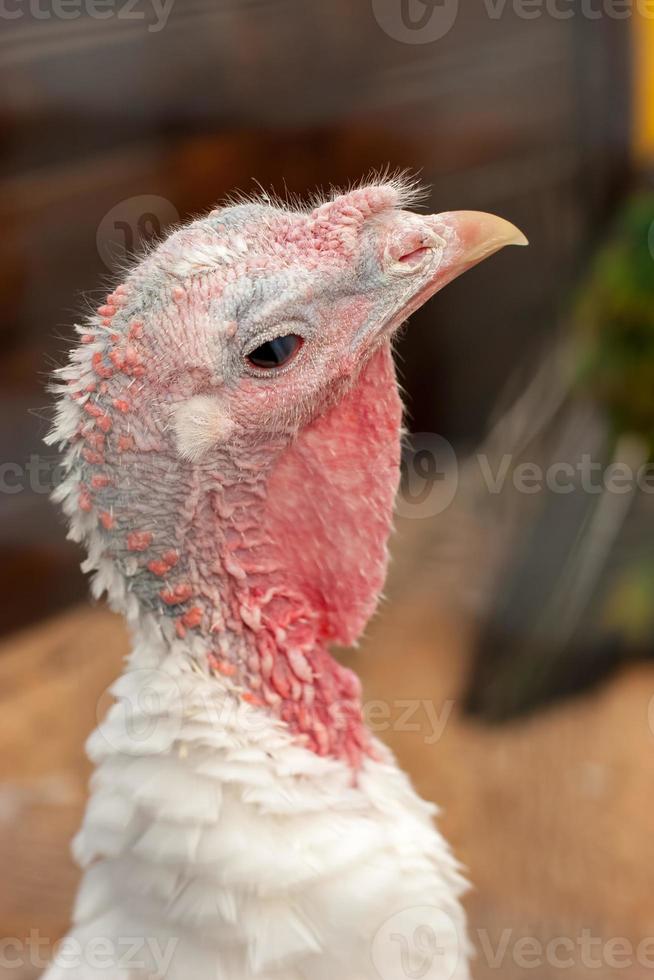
<point>275,352</point>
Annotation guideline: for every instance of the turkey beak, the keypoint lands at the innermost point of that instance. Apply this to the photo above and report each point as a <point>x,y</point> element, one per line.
<point>437,248</point>
<point>469,237</point>
<point>465,238</point>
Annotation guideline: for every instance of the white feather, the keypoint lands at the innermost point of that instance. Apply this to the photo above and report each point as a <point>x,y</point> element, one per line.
<point>255,858</point>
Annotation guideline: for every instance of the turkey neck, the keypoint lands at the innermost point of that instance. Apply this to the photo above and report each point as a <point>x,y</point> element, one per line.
<point>270,552</point>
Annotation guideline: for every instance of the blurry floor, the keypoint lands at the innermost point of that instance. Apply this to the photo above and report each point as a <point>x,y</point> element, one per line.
<point>552,816</point>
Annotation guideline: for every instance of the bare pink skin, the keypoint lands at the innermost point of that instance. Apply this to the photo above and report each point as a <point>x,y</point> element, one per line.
<point>253,508</point>
<point>286,594</point>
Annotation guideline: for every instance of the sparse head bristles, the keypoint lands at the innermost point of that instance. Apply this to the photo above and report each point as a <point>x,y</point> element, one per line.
<point>356,206</point>
<point>404,187</point>
<point>390,189</point>
<point>341,217</point>
<point>324,221</point>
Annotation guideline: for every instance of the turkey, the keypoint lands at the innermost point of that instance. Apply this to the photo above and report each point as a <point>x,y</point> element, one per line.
<point>231,426</point>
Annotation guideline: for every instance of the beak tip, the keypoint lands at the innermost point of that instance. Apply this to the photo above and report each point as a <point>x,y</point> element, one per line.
<point>482,234</point>
<point>506,232</point>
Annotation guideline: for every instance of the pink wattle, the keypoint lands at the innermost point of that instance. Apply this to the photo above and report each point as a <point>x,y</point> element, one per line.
<point>329,505</point>
<point>330,500</point>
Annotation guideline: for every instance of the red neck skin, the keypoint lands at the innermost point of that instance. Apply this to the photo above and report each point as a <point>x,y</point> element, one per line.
<point>329,503</point>
<point>270,554</point>
<point>301,562</point>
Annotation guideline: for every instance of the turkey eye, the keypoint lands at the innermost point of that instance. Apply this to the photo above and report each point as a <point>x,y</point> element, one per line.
<point>275,352</point>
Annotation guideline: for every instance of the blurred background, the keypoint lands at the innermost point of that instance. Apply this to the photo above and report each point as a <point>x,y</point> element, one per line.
<point>521,599</point>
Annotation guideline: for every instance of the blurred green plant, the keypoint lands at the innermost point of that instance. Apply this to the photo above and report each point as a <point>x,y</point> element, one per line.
<point>628,607</point>
<point>615,320</point>
<point>575,600</point>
